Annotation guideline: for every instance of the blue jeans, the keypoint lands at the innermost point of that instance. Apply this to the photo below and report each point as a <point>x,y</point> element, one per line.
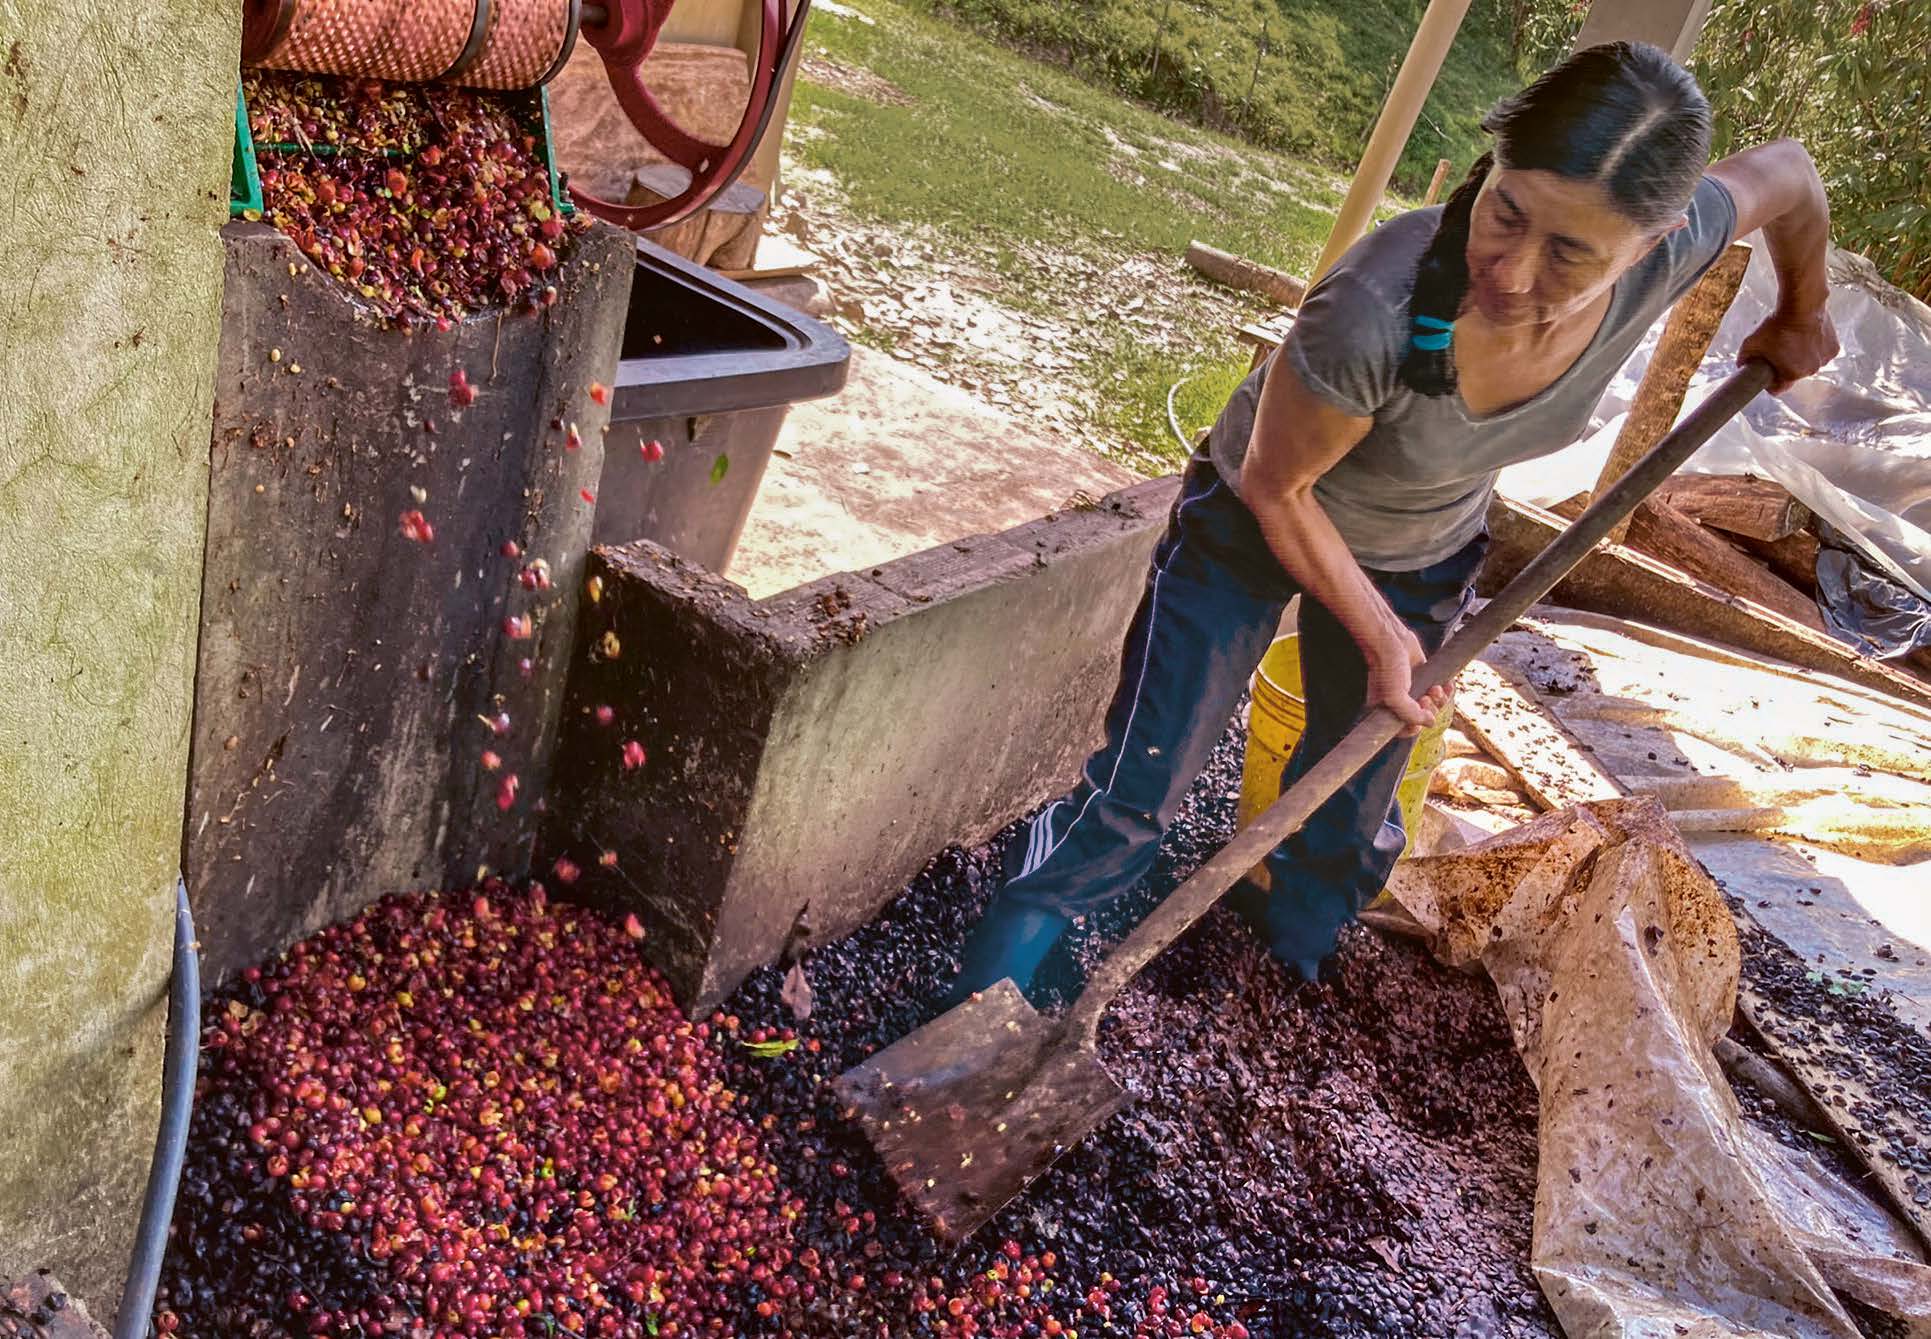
<point>1213,604</point>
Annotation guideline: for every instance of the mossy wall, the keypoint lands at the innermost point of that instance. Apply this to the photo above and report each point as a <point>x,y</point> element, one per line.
<point>116,125</point>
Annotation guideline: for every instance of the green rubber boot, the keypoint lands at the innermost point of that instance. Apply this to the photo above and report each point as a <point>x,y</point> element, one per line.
<point>1010,941</point>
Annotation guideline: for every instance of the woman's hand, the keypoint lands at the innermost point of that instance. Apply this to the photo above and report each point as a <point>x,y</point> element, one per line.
<point>1775,187</point>
<point>1392,662</point>
<point>1795,344</point>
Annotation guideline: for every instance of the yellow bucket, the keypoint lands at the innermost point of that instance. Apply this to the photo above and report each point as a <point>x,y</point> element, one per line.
<point>1275,719</point>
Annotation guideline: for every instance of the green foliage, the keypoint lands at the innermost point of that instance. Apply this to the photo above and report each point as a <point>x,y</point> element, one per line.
<point>1850,79</point>
<point>1304,76</point>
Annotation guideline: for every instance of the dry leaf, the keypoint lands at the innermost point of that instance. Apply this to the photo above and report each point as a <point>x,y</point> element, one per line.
<point>796,992</point>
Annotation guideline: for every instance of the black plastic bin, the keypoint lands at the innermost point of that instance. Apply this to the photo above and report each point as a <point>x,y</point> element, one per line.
<point>708,370</point>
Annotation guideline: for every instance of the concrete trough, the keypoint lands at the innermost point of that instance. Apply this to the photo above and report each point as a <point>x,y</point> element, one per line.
<point>805,755</point>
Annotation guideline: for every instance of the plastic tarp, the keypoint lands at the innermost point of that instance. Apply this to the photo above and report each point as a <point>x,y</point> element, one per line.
<point>1853,443</point>
<point>1864,607</point>
<point>1659,1210</point>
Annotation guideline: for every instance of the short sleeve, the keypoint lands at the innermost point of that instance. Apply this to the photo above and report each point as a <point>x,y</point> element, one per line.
<point>1693,249</point>
<point>1344,344</point>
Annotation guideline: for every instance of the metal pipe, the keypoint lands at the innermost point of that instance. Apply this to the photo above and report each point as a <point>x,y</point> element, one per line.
<point>171,1140</point>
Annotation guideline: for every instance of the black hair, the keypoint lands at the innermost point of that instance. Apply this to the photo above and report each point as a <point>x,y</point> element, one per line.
<point>1622,114</point>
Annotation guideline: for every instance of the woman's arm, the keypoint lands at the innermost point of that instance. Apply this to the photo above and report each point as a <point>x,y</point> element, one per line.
<point>1297,438</point>
<point>1776,188</point>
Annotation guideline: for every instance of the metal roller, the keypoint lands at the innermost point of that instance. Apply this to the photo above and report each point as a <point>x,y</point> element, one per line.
<point>502,44</point>
<point>520,44</point>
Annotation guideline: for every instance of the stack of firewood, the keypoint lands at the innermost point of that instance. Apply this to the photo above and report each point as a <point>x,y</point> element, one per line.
<point>1741,534</point>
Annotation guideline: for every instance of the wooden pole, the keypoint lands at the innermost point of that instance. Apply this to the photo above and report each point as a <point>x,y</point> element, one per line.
<point>1435,185</point>
<point>1679,352</point>
<point>1397,119</point>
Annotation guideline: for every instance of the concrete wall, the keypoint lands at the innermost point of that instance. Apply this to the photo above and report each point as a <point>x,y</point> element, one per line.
<point>117,127</point>
<point>809,753</point>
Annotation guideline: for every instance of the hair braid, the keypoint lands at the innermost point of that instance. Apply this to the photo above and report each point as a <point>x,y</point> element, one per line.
<point>1441,280</point>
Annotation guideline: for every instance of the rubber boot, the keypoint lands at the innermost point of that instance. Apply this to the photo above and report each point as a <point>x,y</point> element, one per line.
<point>1262,912</point>
<point>1010,941</point>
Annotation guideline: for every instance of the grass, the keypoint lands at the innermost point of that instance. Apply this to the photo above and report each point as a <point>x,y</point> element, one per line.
<point>1304,76</point>
<point>999,154</point>
<point>995,145</point>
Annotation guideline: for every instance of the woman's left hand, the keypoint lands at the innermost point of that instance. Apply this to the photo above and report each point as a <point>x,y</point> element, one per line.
<point>1794,344</point>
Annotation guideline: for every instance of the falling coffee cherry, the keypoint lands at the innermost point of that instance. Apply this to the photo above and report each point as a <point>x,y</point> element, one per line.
<point>606,714</point>
<point>633,927</point>
<point>491,760</point>
<point>599,393</point>
<point>536,576</point>
<point>652,451</point>
<point>586,495</point>
<point>594,589</point>
<point>572,439</point>
<point>565,869</point>
<point>499,724</point>
<point>511,549</point>
<point>517,627</point>
<point>506,793</point>
<point>416,526</point>
<point>633,755</point>
<point>461,393</point>
<point>608,859</point>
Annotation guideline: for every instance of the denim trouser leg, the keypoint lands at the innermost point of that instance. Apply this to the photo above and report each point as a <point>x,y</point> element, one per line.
<point>1325,873</point>
<point>1212,604</point>
<point>1203,624</point>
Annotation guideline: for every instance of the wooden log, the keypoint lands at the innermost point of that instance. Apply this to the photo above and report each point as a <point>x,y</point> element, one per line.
<point>1686,338</point>
<point>1249,276</point>
<point>1794,558</point>
<point>1737,503</point>
<point>1743,1065</point>
<point>1661,531</point>
<point>1620,581</point>
<point>1665,534</point>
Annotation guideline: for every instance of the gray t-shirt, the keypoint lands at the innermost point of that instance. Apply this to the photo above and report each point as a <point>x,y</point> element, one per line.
<point>1416,488</point>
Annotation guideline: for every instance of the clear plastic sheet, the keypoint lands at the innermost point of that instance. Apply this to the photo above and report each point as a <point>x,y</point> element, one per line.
<point>1852,443</point>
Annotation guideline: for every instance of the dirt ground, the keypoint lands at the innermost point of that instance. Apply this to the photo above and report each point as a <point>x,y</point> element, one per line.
<point>955,316</point>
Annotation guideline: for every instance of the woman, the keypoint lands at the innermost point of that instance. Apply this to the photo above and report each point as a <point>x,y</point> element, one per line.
<point>1355,469</point>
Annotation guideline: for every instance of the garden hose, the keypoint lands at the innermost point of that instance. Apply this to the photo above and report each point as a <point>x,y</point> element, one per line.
<point>171,1140</point>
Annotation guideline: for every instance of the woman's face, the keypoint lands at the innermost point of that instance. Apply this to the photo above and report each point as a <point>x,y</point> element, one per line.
<point>1542,247</point>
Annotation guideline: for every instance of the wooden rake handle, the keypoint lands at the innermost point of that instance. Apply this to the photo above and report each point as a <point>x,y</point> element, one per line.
<point>1194,898</point>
